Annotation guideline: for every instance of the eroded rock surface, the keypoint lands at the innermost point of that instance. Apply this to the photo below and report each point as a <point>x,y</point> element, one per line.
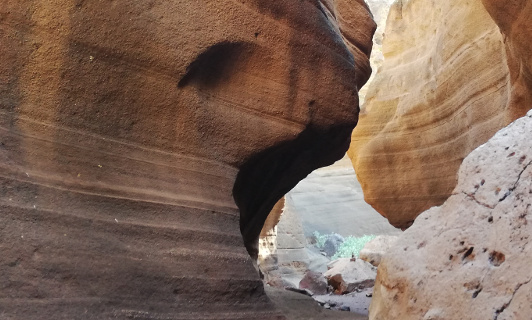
<point>471,257</point>
<point>444,88</point>
<point>124,127</point>
<point>376,248</point>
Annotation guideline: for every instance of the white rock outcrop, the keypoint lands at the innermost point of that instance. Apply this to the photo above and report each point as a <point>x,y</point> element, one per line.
<point>470,258</point>
<point>376,248</point>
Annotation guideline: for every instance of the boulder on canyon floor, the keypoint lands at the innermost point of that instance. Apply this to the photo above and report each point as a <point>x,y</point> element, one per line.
<point>446,86</point>
<point>143,140</point>
<point>314,282</point>
<point>471,257</point>
<point>347,275</point>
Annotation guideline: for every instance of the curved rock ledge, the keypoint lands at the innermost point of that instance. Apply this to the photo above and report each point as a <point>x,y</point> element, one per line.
<point>124,127</point>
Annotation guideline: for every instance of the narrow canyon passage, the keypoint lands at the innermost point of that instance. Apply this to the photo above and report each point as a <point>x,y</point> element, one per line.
<point>143,145</point>
<point>316,225</point>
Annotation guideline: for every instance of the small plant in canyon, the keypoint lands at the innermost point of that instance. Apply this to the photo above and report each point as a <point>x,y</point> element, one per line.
<point>320,239</point>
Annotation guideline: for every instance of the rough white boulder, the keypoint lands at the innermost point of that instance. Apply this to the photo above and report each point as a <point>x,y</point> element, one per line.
<point>375,249</point>
<point>470,258</point>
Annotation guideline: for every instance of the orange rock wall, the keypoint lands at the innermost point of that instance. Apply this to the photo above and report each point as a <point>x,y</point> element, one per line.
<point>124,126</point>
<point>445,87</point>
<point>514,23</point>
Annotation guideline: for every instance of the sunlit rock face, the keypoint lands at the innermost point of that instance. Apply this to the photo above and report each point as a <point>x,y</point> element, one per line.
<point>128,127</point>
<point>328,201</point>
<point>283,257</point>
<point>443,89</point>
<point>471,257</point>
<point>379,10</point>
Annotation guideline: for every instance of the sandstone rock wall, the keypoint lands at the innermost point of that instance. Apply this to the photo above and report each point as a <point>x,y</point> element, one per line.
<point>283,257</point>
<point>471,257</point>
<point>445,88</point>
<point>128,126</point>
<point>379,10</point>
<point>515,25</point>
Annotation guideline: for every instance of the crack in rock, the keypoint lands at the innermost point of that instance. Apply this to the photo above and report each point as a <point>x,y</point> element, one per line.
<point>507,304</point>
<point>508,193</point>
<point>472,197</point>
<point>516,183</point>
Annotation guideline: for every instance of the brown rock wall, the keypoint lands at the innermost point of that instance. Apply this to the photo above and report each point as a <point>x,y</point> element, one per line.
<point>124,126</point>
<point>515,25</point>
<point>443,90</point>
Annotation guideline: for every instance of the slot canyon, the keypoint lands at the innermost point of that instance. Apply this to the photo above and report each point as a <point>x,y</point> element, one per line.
<point>186,159</point>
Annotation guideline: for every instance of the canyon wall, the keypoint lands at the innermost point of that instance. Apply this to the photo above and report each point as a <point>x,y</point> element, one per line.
<point>283,258</point>
<point>445,87</point>
<point>471,257</point>
<point>515,25</point>
<point>143,144</point>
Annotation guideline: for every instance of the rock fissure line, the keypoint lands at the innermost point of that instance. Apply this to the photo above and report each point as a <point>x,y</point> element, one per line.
<point>507,304</point>
<point>516,183</point>
<point>509,192</point>
<point>472,197</point>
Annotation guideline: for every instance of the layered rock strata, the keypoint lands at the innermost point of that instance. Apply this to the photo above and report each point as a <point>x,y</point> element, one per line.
<point>471,257</point>
<point>445,88</point>
<point>126,129</point>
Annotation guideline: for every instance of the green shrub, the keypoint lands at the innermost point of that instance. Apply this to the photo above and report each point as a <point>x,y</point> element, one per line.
<point>352,246</point>
<point>320,239</point>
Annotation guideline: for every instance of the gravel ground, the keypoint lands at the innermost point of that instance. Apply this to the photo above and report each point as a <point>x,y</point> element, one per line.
<point>358,302</point>
<point>296,306</point>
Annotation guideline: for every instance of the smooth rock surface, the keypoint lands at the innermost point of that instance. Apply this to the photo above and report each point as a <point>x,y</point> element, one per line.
<point>515,25</point>
<point>376,248</point>
<point>379,10</point>
<point>283,254</point>
<point>445,87</point>
<point>317,261</point>
<point>471,257</point>
<point>330,200</point>
<point>144,143</point>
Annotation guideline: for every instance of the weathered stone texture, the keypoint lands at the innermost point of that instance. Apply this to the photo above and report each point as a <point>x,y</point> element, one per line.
<point>376,248</point>
<point>471,257</point>
<point>124,125</point>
